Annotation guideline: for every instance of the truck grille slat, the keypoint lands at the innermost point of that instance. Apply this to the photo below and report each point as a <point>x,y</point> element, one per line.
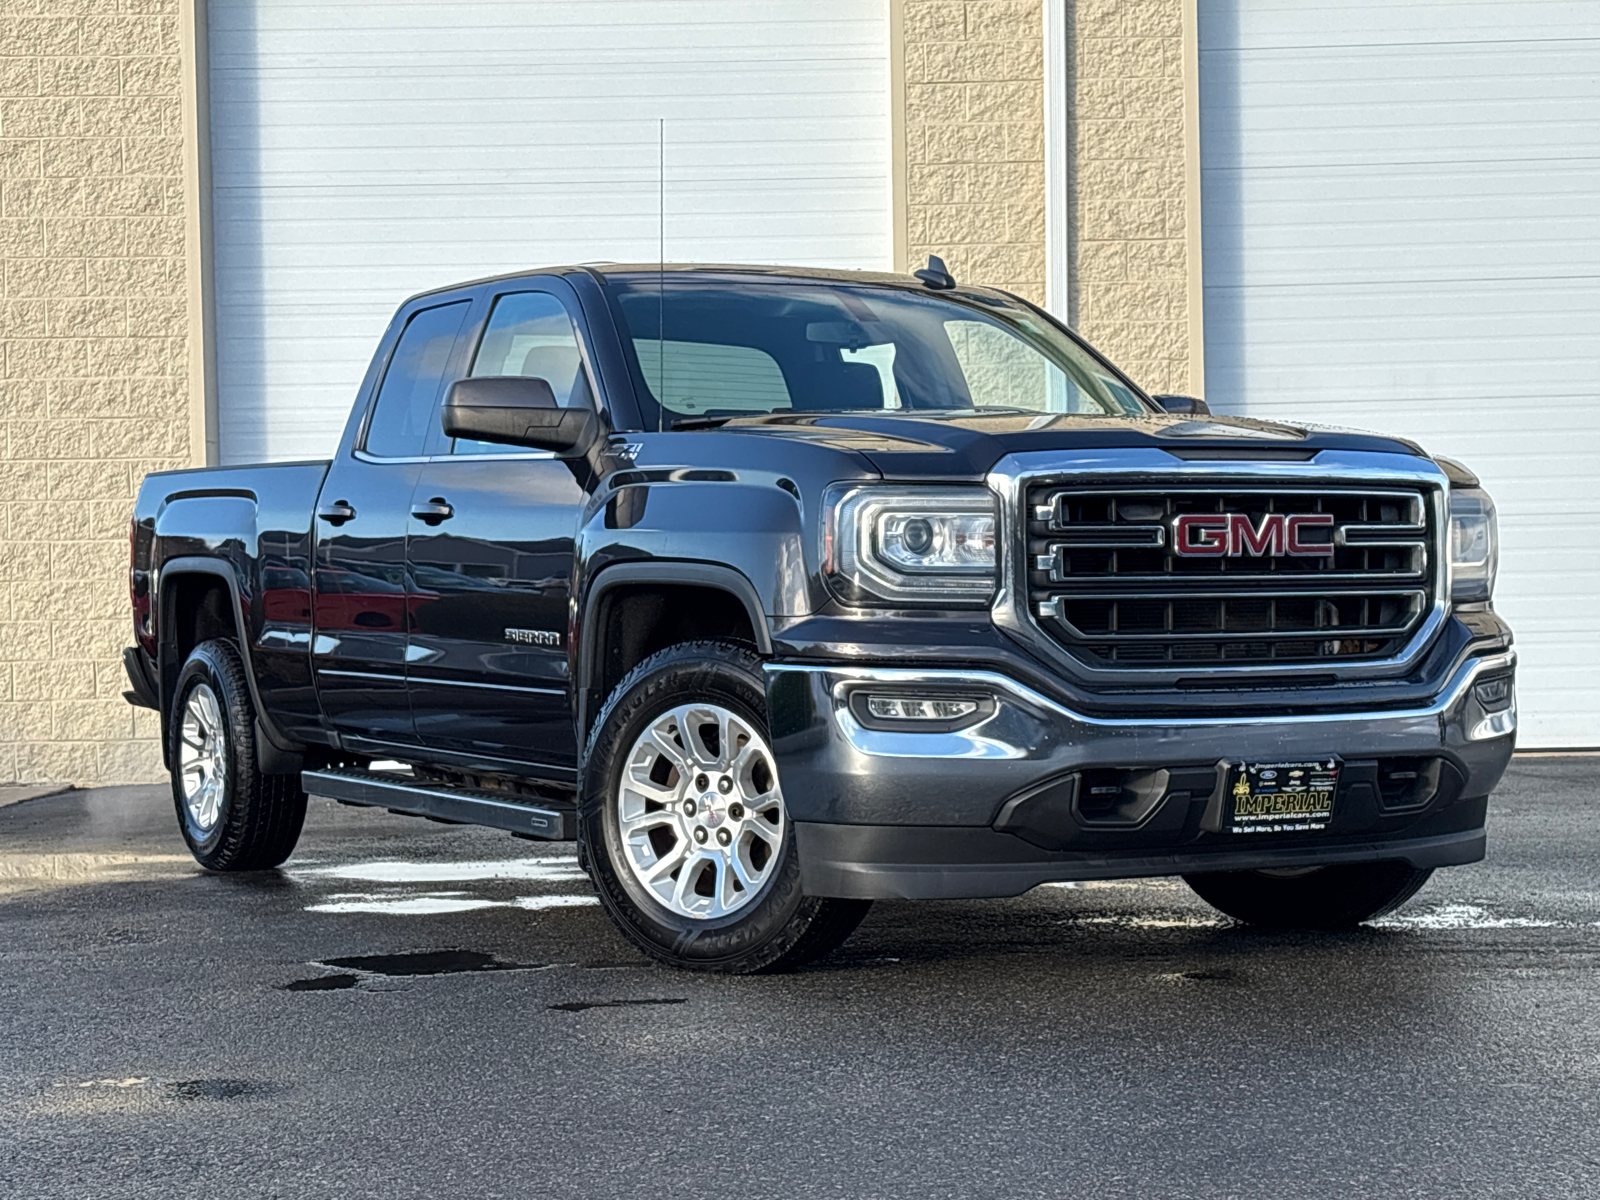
<point>1105,579</point>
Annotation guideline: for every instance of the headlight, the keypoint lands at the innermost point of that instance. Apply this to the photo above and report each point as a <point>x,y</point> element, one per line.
<point>910,545</point>
<point>1474,545</point>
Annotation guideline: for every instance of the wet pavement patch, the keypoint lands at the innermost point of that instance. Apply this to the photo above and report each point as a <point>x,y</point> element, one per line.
<point>425,962</point>
<point>213,1089</point>
<point>1218,975</point>
<point>582,1005</point>
<point>321,983</point>
<point>144,1095</point>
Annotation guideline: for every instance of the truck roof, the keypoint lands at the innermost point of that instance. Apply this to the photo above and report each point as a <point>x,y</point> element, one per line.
<point>602,269</point>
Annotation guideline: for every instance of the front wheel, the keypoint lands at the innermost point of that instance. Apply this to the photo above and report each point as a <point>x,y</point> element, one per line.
<point>233,817</point>
<point>1314,898</point>
<point>684,824</point>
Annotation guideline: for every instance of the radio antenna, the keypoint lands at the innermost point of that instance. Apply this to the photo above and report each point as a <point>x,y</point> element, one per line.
<point>661,272</point>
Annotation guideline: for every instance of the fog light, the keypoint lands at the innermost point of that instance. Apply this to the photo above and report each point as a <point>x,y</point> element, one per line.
<point>1494,694</point>
<point>909,708</point>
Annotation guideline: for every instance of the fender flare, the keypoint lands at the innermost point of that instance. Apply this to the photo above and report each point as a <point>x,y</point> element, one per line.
<point>658,571</point>
<point>278,754</point>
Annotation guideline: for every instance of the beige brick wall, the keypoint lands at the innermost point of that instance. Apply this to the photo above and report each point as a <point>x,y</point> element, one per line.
<point>974,138</point>
<point>1130,268</point>
<point>93,343</point>
<point>975,184</point>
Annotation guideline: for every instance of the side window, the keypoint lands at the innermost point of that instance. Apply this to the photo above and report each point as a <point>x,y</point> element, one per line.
<point>530,334</point>
<point>401,418</point>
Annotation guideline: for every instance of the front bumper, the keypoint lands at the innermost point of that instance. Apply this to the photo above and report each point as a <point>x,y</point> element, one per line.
<point>998,807</point>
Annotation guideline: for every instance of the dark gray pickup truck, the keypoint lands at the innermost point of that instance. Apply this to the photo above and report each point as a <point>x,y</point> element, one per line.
<point>780,591</point>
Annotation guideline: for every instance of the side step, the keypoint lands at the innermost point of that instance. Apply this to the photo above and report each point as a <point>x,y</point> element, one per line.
<point>463,806</point>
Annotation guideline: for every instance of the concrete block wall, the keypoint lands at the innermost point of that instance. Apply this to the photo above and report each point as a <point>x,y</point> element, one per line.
<point>1130,285</point>
<point>974,126</point>
<point>93,389</point>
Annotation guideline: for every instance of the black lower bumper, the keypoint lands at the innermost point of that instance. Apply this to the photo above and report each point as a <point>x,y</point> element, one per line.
<point>883,862</point>
<point>1014,799</point>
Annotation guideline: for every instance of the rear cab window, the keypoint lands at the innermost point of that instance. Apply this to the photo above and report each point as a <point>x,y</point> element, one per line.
<point>403,414</point>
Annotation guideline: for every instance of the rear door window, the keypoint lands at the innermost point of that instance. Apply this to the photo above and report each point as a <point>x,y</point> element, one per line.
<point>403,416</point>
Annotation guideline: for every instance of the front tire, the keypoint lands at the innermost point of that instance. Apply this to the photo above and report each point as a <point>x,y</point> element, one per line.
<point>232,816</point>
<point>1339,897</point>
<point>684,826</point>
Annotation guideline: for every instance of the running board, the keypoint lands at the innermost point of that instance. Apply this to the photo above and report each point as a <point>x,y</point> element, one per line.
<point>463,806</point>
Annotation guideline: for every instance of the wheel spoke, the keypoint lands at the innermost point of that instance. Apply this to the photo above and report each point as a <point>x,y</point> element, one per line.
<point>657,739</point>
<point>742,873</point>
<point>648,789</point>
<point>649,820</point>
<point>727,898</point>
<point>686,880</point>
<point>744,762</point>
<point>667,863</point>
<point>728,729</point>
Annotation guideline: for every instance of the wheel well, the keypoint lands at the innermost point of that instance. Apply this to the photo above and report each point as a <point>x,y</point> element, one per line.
<point>633,621</point>
<point>200,609</point>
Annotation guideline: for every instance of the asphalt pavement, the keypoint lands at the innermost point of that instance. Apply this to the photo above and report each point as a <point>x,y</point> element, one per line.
<point>409,1009</point>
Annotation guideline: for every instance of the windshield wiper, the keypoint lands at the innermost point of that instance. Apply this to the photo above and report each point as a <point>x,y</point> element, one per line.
<point>699,422</point>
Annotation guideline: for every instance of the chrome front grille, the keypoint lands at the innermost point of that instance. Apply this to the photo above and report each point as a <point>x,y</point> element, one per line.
<point>1106,582</point>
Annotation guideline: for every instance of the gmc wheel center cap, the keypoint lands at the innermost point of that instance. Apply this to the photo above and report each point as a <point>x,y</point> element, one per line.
<point>712,812</point>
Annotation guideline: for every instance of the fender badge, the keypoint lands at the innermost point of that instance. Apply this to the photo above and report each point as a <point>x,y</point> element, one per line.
<point>533,637</point>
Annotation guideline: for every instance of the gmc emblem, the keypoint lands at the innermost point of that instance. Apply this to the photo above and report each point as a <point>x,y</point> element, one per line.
<point>1232,535</point>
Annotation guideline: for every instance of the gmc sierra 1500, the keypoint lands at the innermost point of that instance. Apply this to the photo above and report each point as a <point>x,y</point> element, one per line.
<point>784,590</point>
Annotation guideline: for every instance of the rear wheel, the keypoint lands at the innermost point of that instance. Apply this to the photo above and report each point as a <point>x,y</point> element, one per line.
<point>1313,898</point>
<point>684,823</point>
<point>232,816</point>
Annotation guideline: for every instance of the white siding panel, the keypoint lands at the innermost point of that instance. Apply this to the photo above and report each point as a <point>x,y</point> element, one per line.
<point>1401,223</point>
<point>362,152</point>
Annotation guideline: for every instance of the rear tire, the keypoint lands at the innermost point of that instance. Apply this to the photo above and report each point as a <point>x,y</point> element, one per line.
<point>683,825</point>
<point>232,816</point>
<point>1323,898</point>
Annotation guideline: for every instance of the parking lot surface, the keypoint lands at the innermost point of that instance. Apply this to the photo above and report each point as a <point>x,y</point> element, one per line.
<point>409,1009</point>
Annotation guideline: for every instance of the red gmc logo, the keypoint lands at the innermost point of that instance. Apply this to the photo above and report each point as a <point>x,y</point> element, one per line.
<point>1231,535</point>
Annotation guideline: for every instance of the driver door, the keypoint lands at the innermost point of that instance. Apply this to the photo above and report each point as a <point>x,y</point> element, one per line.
<point>491,545</point>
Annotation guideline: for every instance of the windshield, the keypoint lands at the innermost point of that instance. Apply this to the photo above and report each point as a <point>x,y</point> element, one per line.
<point>737,348</point>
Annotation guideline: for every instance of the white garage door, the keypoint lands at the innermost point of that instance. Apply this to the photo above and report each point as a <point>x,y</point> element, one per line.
<point>362,152</point>
<point>1401,204</point>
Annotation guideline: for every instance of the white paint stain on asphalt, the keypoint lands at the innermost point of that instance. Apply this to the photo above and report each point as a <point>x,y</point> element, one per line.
<point>562,869</point>
<point>401,900</point>
<point>541,902</point>
<point>435,903</point>
<point>405,906</point>
<point>1131,922</point>
<point>1465,916</point>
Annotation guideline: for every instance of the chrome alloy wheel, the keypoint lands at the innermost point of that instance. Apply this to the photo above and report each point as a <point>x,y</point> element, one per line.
<point>203,757</point>
<point>700,813</point>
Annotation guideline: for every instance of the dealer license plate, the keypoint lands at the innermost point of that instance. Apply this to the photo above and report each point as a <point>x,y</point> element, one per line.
<point>1284,797</point>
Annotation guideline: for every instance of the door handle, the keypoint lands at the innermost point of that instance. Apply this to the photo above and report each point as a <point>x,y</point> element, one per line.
<point>434,511</point>
<point>336,513</point>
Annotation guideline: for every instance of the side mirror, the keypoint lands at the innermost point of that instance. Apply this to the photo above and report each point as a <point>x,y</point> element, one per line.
<point>517,411</point>
<point>1189,406</point>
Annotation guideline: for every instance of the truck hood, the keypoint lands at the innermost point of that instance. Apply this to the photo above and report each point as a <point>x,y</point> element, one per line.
<point>971,443</point>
